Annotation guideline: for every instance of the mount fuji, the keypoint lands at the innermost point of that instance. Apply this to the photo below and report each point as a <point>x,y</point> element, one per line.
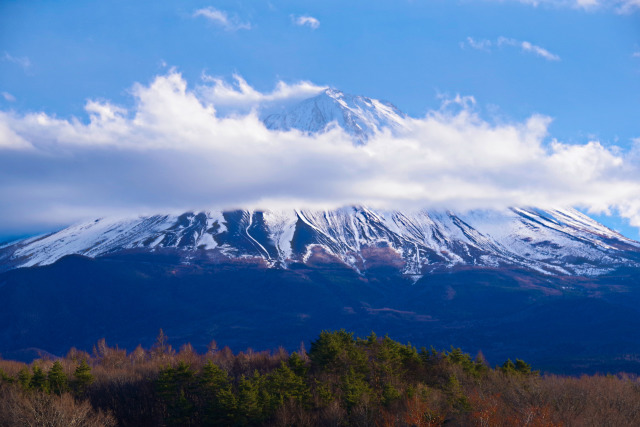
<point>553,286</point>
<point>554,242</point>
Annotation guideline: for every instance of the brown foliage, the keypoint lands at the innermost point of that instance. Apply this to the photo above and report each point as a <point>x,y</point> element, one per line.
<point>18,408</point>
<point>430,390</point>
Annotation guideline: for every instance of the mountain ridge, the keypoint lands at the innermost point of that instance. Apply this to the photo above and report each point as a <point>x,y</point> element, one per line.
<point>563,242</point>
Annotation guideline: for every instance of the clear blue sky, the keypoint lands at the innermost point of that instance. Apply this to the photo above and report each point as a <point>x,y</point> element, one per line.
<point>578,64</point>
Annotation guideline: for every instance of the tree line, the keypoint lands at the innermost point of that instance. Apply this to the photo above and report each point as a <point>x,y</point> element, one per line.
<point>341,380</point>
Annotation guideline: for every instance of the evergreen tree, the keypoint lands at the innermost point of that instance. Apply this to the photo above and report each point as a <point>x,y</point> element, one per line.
<point>250,400</point>
<point>220,401</point>
<point>520,367</point>
<point>24,378</point>
<point>353,387</point>
<point>390,394</point>
<point>508,367</point>
<point>456,397</point>
<point>5,378</point>
<point>523,367</point>
<point>284,385</point>
<point>372,338</point>
<point>297,365</point>
<point>176,387</point>
<point>82,377</point>
<point>57,379</point>
<point>38,380</point>
<point>337,352</point>
<point>481,367</point>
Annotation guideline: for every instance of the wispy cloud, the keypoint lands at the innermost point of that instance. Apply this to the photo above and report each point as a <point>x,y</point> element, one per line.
<point>525,46</point>
<point>628,6</point>
<point>478,44</point>
<point>221,18</point>
<point>240,97</point>
<point>22,61</point>
<point>529,47</point>
<point>618,6</point>
<point>173,151</point>
<point>305,20</point>
<point>8,97</point>
<point>635,54</point>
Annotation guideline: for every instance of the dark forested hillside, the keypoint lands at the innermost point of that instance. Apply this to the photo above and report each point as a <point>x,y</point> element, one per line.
<point>562,325</point>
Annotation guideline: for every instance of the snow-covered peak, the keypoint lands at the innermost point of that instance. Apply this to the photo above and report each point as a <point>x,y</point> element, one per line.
<point>359,116</point>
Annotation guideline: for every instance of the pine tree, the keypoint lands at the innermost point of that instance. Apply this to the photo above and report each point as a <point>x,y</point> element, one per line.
<point>456,397</point>
<point>176,388</point>
<point>6,378</point>
<point>354,388</point>
<point>250,399</point>
<point>57,379</point>
<point>525,368</point>
<point>218,393</point>
<point>24,378</point>
<point>508,367</point>
<point>283,385</point>
<point>298,365</point>
<point>38,380</point>
<point>82,377</point>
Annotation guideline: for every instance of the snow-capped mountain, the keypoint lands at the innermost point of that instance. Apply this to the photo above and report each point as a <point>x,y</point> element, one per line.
<point>563,242</point>
<point>359,116</point>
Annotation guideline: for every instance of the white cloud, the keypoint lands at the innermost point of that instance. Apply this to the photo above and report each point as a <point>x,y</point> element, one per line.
<point>478,44</point>
<point>635,54</point>
<point>525,46</point>
<point>22,61</point>
<point>587,4</point>
<point>239,96</point>
<point>529,47</point>
<point>8,97</point>
<point>9,139</point>
<point>305,20</point>
<point>222,19</point>
<point>173,151</point>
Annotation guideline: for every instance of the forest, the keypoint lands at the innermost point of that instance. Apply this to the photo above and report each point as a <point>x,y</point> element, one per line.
<point>341,380</point>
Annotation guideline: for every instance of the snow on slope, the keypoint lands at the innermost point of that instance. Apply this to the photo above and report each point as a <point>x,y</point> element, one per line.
<point>360,116</point>
<point>551,241</point>
<point>91,239</point>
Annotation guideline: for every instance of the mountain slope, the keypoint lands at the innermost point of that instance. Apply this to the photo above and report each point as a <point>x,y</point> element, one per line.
<point>563,324</point>
<point>563,242</point>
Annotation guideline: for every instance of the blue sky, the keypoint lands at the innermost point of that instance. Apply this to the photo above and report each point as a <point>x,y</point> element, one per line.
<point>575,61</point>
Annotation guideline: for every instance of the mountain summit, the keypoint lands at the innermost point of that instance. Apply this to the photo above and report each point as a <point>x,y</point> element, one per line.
<point>359,116</point>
